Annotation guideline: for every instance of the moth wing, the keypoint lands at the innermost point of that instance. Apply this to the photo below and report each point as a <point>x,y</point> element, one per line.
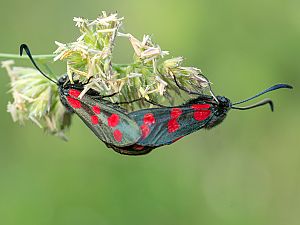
<point>162,126</point>
<point>133,149</point>
<point>108,122</point>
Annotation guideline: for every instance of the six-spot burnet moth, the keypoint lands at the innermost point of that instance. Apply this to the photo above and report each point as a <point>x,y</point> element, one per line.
<point>140,131</point>
<point>165,125</point>
<point>110,123</point>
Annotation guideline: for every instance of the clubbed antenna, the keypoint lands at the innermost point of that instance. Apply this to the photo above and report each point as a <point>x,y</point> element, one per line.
<point>273,88</point>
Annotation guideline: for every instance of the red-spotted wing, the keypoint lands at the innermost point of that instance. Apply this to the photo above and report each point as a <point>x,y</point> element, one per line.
<point>108,122</point>
<point>162,126</point>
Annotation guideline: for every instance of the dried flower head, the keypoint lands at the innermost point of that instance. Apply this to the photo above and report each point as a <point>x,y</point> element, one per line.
<point>35,99</point>
<point>89,58</point>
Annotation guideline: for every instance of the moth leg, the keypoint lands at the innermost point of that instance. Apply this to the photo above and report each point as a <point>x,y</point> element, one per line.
<point>155,103</point>
<point>108,96</point>
<point>140,99</point>
<point>88,81</point>
<point>180,86</point>
<point>183,88</point>
<point>196,93</point>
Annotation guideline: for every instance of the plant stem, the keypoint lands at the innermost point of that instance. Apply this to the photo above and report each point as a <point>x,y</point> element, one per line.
<point>15,56</point>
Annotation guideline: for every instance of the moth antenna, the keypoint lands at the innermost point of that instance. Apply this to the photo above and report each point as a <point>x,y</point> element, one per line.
<point>140,99</point>
<point>25,47</point>
<point>273,88</point>
<point>261,103</point>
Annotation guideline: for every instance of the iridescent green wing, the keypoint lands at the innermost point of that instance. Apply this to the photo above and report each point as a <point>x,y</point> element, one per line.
<point>108,122</point>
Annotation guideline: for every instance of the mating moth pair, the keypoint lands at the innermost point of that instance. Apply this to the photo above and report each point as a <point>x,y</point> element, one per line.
<point>140,131</point>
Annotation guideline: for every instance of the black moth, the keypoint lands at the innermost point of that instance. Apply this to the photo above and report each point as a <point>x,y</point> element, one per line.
<point>141,131</point>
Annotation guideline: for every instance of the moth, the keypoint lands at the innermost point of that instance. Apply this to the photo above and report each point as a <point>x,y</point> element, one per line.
<point>140,131</point>
<point>166,125</point>
<point>109,122</point>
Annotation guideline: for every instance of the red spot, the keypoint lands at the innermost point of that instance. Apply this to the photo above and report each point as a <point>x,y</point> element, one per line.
<point>201,114</point>
<point>96,109</point>
<point>113,120</point>
<point>149,119</point>
<point>200,106</point>
<point>74,93</point>
<point>74,102</point>
<point>94,119</point>
<point>138,147</point>
<point>173,125</point>
<point>175,113</point>
<point>145,130</point>
<point>118,135</point>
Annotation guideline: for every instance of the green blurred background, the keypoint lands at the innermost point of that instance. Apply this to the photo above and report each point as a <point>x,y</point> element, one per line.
<point>245,171</point>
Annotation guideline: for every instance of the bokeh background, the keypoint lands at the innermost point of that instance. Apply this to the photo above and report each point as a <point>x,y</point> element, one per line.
<point>245,171</point>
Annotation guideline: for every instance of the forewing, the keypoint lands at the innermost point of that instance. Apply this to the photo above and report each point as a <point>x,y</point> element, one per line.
<point>108,122</point>
<point>162,126</point>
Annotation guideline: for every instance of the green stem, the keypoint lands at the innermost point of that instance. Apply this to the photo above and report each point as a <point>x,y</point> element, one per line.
<point>15,56</point>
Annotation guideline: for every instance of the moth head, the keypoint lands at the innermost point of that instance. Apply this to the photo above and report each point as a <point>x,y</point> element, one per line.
<point>223,102</point>
<point>62,80</point>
